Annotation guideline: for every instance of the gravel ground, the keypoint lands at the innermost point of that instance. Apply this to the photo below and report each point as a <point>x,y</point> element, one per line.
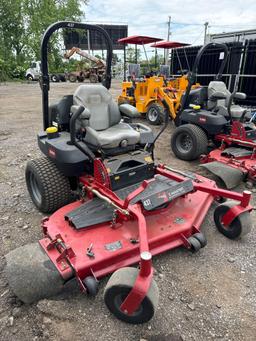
<point>205,296</point>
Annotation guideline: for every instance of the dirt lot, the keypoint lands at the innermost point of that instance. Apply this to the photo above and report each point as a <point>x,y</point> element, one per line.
<point>205,296</point>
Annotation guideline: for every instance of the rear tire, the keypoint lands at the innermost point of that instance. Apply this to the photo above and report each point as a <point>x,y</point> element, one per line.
<point>188,142</point>
<point>49,189</point>
<point>155,114</point>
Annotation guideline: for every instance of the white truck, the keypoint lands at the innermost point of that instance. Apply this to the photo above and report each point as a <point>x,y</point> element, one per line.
<point>34,71</point>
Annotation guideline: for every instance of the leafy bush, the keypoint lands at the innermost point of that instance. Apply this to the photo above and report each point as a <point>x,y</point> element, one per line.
<point>18,72</point>
<point>4,70</point>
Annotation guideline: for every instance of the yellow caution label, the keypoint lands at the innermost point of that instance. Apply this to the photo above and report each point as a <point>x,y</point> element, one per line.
<point>51,130</point>
<point>148,159</point>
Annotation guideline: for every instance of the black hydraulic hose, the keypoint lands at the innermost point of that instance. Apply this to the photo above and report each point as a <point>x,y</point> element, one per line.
<point>166,120</point>
<point>73,139</point>
<point>45,82</point>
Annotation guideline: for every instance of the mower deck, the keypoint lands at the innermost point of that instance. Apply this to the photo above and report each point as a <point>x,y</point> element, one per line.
<point>233,165</point>
<point>112,246</point>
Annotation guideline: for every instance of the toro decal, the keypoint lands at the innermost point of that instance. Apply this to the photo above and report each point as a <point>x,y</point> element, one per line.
<point>202,119</point>
<point>52,152</point>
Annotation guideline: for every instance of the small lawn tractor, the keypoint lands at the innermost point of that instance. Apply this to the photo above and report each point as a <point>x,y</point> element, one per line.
<point>209,114</point>
<point>145,93</point>
<point>127,208</point>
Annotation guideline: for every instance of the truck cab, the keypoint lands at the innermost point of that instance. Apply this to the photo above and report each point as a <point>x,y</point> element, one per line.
<point>34,71</point>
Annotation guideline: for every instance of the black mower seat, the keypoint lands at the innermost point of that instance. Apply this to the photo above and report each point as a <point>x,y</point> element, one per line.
<point>102,119</point>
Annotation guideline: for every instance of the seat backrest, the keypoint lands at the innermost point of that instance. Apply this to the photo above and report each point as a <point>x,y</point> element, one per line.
<point>134,70</point>
<point>165,70</point>
<point>196,96</point>
<point>98,100</point>
<point>217,86</point>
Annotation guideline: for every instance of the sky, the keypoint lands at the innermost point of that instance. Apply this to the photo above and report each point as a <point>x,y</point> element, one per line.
<point>150,17</point>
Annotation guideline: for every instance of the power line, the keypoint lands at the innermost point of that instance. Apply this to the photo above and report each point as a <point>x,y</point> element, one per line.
<point>201,33</point>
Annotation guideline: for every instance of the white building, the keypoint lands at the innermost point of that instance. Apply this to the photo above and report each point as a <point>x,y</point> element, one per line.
<point>237,36</point>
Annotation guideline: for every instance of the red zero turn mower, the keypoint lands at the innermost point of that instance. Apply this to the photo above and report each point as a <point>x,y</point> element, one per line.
<point>128,209</point>
<point>209,114</point>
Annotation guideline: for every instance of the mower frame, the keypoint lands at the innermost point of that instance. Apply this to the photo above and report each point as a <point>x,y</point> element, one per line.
<point>67,261</point>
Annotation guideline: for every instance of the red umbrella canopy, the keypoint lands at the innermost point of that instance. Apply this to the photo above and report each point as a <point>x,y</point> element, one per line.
<point>138,40</point>
<point>169,44</point>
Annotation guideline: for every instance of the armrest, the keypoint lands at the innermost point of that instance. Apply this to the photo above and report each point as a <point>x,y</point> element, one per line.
<point>239,95</point>
<point>218,95</point>
<point>85,114</point>
<point>129,110</point>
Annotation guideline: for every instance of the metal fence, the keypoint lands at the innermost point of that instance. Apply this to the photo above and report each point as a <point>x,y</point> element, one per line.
<point>239,73</point>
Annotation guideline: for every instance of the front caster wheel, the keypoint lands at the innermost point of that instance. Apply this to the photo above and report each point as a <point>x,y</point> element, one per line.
<point>117,289</point>
<point>239,227</point>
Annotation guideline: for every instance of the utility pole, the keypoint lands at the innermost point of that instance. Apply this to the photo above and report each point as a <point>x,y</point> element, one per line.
<point>168,38</point>
<point>88,42</point>
<point>205,31</point>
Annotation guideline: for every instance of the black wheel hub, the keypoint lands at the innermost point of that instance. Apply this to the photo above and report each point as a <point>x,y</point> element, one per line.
<point>119,299</point>
<point>184,142</point>
<point>153,114</point>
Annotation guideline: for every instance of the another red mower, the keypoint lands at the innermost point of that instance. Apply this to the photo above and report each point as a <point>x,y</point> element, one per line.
<point>208,113</point>
<point>127,208</point>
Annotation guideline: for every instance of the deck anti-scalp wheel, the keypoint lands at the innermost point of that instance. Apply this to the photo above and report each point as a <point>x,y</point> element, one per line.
<point>92,285</point>
<point>195,244</point>
<point>188,142</point>
<point>239,227</point>
<point>117,289</point>
<point>155,114</point>
<point>48,187</point>
<point>201,238</point>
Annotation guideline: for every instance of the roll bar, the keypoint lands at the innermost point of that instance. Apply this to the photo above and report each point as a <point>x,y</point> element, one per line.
<point>45,83</point>
<point>192,75</point>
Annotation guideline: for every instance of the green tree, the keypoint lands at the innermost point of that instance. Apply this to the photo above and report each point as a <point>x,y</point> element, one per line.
<point>40,14</point>
<point>131,55</point>
<point>22,24</point>
<point>12,28</point>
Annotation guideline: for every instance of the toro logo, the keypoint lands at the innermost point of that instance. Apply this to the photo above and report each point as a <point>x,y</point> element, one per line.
<point>52,152</point>
<point>163,196</point>
<point>202,119</point>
